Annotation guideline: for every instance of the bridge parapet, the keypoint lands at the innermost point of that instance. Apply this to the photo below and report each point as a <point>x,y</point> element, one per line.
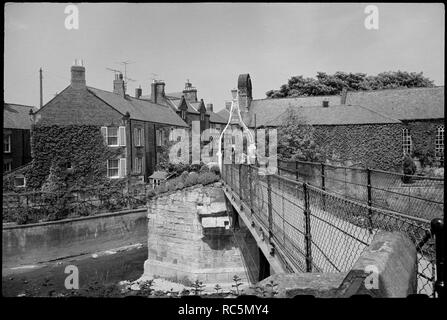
<point>386,268</point>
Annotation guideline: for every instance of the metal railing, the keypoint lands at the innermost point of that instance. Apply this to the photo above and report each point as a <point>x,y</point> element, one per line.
<point>414,195</point>
<point>314,230</point>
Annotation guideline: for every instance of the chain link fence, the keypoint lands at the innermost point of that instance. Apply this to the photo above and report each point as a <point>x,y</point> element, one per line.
<point>315,230</point>
<point>413,195</point>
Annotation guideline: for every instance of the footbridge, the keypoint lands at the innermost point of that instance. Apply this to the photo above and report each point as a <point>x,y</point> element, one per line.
<point>300,228</point>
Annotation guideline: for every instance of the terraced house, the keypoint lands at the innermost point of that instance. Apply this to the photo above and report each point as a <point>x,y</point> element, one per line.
<point>365,128</point>
<point>128,124</point>
<point>16,136</point>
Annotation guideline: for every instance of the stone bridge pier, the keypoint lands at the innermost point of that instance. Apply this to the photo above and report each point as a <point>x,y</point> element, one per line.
<point>194,234</point>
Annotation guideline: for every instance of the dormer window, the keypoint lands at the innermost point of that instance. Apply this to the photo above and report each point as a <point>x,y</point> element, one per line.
<point>202,117</point>
<point>183,113</point>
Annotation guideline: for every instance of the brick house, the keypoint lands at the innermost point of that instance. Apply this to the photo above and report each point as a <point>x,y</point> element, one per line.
<point>188,107</point>
<point>374,128</point>
<point>127,123</point>
<point>16,136</point>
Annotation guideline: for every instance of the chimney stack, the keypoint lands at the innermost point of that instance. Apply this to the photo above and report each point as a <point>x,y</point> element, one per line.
<point>190,92</point>
<point>77,76</point>
<point>138,92</point>
<point>325,103</point>
<point>209,107</point>
<point>157,91</point>
<point>344,94</point>
<point>118,85</point>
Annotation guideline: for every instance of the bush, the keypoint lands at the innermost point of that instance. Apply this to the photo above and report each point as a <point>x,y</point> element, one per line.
<point>409,169</point>
<point>184,176</point>
<point>192,179</point>
<point>215,169</point>
<point>207,178</point>
<point>204,169</point>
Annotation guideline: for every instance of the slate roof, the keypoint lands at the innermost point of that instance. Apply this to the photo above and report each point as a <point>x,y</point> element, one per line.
<point>335,115</point>
<point>139,109</point>
<point>268,109</point>
<point>224,114</point>
<point>403,104</point>
<point>176,103</point>
<point>174,95</point>
<point>216,118</point>
<point>16,116</point>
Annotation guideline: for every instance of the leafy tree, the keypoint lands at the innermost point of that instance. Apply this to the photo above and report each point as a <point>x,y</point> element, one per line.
<point>332,84</point>
<point>296,138</point>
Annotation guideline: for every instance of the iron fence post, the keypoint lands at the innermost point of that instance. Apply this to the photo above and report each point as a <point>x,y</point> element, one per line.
<point>241,196</point>
<point>307,236</point>
<point>323,185</point>
<point>250,186</point>
<point>368,186</point>
<point>437,228</point>
<point>269,199</point>
<point>296,170</point>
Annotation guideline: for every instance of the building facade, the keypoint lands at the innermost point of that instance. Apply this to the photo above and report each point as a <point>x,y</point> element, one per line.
<point>366,128</point>
<point>16,136</point>
<point>129,125</point>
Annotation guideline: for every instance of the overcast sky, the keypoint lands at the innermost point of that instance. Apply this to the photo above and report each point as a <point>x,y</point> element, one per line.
<point>211,44</point>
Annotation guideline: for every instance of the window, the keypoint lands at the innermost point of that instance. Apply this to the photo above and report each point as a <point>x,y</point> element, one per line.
<point>202,116</point>
<point>7,166</point>
<point>138,137</point>
<point>115,136</point>
<point>138,165</point>
<point>113,168</point>
<point>112,136</point>
<point>7,143</point>
<point>19,181</point>
<point>183,114</point>
<point>439,144</point>
<point>407,144</point>
<point>159,134</point>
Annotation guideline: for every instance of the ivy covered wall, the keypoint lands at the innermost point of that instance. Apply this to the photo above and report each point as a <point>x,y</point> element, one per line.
<point>81,146</point>
<point>423,136</point>
<point>378,146</point>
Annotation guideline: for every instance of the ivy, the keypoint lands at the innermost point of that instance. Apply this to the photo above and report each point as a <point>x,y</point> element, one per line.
<point>82,146</point>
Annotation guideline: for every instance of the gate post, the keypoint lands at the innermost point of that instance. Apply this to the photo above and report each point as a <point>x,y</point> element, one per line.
<point>307,236</point>
<point>437,228</point>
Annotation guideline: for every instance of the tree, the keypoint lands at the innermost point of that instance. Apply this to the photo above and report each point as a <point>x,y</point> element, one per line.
<point>332,84</point>
<point>296,138</point>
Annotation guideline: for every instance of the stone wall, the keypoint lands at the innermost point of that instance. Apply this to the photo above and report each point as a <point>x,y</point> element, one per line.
<point>41,242</point>
<point>180,247</point>
<point>378,146</point>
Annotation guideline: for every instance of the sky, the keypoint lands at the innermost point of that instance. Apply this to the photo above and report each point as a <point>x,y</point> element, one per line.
<point>212,43</point>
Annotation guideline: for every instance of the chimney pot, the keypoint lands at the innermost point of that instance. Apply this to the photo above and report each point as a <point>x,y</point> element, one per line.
<point>209,107</point>
<point>138,92</point>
